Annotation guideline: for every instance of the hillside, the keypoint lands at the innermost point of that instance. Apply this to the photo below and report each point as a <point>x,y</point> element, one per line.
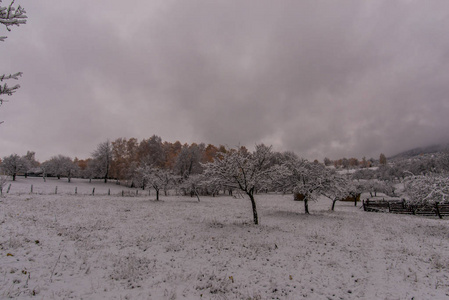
<point>419,151</point>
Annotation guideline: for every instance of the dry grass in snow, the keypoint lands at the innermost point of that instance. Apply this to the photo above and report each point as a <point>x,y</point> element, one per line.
<point>109,247</point>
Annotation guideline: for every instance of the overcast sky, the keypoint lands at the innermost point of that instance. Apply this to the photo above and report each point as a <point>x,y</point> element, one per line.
<point>320,78</point>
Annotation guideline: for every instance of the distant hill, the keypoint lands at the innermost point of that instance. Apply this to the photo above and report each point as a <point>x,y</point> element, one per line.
<point>421,150</point>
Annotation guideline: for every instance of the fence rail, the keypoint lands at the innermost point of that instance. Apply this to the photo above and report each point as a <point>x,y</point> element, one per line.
<point>74,191</point>
<point>403,207</point>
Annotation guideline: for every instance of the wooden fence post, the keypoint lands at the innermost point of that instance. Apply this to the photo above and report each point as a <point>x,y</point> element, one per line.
<point>76,190</point>
<point>9,187</point>
<point>137,192</point>
<point>31,189</point>
<point>93,191</point>
<point>438,211</point>
<point>56,190</point>
<point>109,192</point>
<point>123,193</point>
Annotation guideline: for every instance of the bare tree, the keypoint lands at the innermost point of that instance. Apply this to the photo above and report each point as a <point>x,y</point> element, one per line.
<point>102,158</point>
<point>188,160</point>
<point>10,16</point>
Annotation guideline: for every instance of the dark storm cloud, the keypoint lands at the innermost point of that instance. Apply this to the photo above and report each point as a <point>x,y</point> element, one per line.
<point>321,78</point>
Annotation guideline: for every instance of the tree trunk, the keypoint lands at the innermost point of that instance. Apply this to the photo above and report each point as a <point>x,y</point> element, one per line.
<point>197,195</point>
<point>107,171</point>
<point>14,177</point>
<point>306,206</point>
<point>333,203</point>
<point>157,194</point>
<point>253,203</point>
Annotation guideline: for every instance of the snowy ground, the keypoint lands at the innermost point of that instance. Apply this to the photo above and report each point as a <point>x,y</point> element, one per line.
<point>111,247</point>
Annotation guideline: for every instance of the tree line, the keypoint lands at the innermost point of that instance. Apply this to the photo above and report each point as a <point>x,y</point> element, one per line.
<point>197,169</point>
<point>119,160</point>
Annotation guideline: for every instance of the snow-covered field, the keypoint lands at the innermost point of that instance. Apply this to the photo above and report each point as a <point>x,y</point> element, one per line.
<point>111,247</point>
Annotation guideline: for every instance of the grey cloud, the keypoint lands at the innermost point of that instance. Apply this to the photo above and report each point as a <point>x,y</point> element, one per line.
<point>321,78</point>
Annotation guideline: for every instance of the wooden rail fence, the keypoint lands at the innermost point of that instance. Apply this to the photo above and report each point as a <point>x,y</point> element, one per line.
<point>402,207</point>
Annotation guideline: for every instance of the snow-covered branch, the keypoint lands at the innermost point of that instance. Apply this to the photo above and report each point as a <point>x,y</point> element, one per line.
<point>11,16</point>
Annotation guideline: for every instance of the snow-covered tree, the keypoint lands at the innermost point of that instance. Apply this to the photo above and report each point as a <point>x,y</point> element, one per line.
<point>13,164</point>
<point>355,189</point>
<point>158,178</point>
<point>309,179</point>
<point>427,189</point>
<point>61,165</point>
<point>102,159</point>
<point>335,187</point>
<point>363,174</point>
<point>374,186</point>
<point>10,16</point>
<point>243,170</point>
<point>194,184</point>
